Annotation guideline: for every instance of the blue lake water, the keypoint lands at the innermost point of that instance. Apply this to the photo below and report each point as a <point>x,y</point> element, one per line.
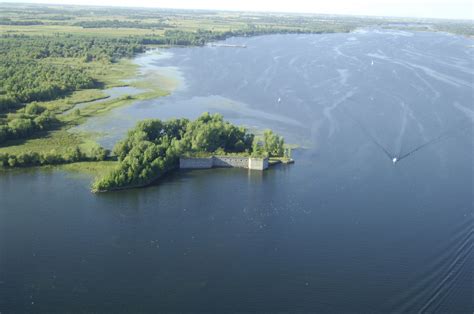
<point>343,229</point>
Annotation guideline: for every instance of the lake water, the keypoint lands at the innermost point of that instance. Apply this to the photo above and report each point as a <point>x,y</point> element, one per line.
<point>343,229</point>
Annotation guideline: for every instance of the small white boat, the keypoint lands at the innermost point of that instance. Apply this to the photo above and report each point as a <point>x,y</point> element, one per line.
<point>279,100</point>
<point>394,160</point>
<point>372,62</point>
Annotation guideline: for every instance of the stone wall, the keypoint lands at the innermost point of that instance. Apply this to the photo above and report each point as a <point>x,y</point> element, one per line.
<point>223,161</point>
<point>258,163</point>
<point>233,162</point>
<point>196,163</point>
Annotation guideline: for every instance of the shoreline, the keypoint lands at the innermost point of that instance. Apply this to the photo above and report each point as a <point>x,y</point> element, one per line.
<point>123,73</point>
<point>273,161</point>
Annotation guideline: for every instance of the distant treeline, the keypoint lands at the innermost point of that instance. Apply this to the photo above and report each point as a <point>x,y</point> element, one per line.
<point>201,37</point>
<point>466,29</point>
<point>6,21</point>
<point>120,24</point>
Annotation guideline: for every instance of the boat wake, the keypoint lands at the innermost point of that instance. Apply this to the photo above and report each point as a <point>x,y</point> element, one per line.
<point>395,158</point>
<point>435,140</point>
<point>442,278</point>
<point>372,138</point>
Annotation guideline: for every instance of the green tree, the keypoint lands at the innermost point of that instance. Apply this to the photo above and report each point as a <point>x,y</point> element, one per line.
<point>21,127</point>
<point>33,109</point>
<point>273,144</point>
<point>98,153</point>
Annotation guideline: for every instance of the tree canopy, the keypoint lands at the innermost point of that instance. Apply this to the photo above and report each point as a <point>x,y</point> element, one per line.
<point>153,147</point>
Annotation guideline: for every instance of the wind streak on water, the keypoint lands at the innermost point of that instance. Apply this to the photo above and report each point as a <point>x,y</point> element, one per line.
<point>468,112</point>
<point>328,111</point>
<point>414,69</point>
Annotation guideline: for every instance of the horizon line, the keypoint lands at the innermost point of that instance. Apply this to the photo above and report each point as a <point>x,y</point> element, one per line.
<point>122,6</point>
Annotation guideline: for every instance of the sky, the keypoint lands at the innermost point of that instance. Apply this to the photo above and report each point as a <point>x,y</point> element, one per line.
<point>452,9</point>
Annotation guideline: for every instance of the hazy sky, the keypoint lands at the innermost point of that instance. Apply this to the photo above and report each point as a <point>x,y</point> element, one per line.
<point>459,9</point>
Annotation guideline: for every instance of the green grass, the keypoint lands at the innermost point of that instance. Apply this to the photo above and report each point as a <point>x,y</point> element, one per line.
<point>81,96</point>
<point>94,169</point>
<point>59,140</point>
<point>278,160</point>
<point>112,75</point>
<point>109,74</point>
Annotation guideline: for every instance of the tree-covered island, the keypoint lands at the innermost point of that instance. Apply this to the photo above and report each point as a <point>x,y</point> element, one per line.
<point>153,148</point>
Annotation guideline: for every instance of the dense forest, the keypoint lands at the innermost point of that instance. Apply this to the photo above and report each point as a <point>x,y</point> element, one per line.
<point>28,76</point>
<point>25,77</point>
<point>153,147</point>
<point>26,80</point>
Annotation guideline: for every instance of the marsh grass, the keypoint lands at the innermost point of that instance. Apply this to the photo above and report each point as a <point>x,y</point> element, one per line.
<point>59,141</point>
<point>94,169</point>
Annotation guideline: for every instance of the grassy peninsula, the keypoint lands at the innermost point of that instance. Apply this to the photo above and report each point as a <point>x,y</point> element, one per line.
<point>153,148</point>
